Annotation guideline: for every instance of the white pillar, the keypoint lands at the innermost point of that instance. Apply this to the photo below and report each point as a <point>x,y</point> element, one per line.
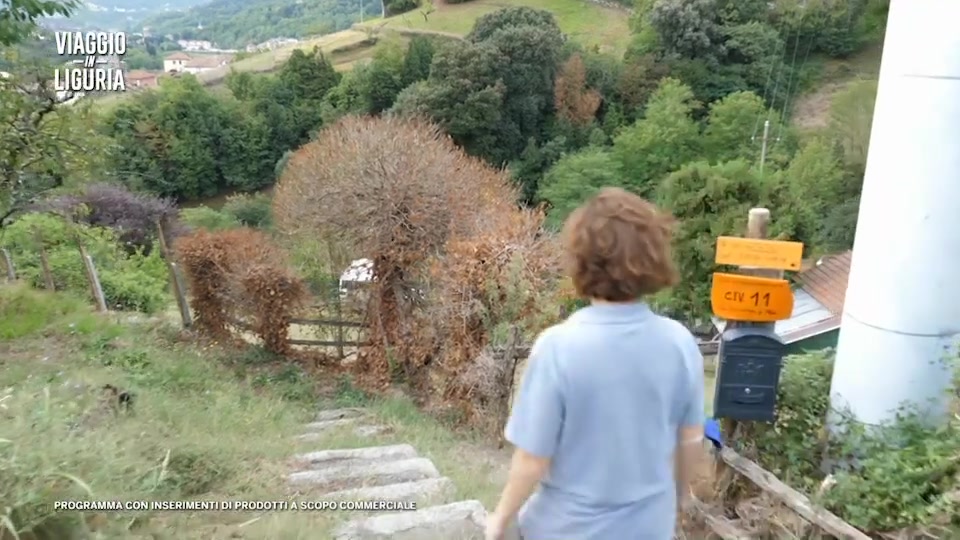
<point>902,312</point>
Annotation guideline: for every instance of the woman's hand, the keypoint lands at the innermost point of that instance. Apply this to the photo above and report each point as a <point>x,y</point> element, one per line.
<point>496,527</point>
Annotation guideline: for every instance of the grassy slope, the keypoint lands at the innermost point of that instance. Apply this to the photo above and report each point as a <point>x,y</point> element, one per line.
<point>583,21</point>
<point>812,109</point>
<point>207,424</point>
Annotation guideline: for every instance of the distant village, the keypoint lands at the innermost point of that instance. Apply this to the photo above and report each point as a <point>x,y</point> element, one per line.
<point>194,56</point>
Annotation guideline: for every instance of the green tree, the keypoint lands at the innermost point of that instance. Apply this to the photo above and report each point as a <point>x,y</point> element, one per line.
<point>351,96</point>
<point>464,94</point>
<point>733,127</point>
<point>416,63</point>
<point>491,23</point>
<point>688,28</point>
<point>851,119</point>
<point>309,75</point>
<point>385,79</point>
<point>18,18</point>
<point>535,160</point>
<point>664,139</point>
<point>709,201</point>
<point>493,92</point>
<point>43,146</point>
<point>186,143</point>
<point>813,184</point>
<point>576,178</point>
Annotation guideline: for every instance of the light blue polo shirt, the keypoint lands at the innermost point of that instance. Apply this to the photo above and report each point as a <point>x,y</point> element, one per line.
<point>603,396</point>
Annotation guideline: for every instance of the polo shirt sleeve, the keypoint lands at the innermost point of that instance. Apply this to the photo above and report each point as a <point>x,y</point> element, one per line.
<point>537,416</point>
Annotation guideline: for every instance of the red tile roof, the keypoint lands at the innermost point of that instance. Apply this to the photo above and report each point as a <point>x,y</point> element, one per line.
<point>139,74</point>
<point>827,282</point>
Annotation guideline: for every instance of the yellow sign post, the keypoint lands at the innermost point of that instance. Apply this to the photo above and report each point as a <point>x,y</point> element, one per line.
<point>773,254</point>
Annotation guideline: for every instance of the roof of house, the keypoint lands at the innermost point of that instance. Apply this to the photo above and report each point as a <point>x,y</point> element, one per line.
<point>178,56</point>
<point>139,75</point>
<point>817,300</point>
<point>827,281</point>
<point>207,61</point>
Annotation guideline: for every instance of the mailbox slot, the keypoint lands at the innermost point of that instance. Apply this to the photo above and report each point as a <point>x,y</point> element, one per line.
<point>748,374</point>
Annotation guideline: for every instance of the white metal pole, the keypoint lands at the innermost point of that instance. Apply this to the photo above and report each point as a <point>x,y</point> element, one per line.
<point>901,318</point>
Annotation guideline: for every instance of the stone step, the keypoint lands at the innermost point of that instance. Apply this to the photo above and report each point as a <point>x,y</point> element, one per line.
<point>462,520</point>
<point>359,431</point>
<point>365,474</point>
<point>327,425</point>
<point>429,490</point>
<point>339,414</point>
<point>326,458</point>
<point>370,431</point>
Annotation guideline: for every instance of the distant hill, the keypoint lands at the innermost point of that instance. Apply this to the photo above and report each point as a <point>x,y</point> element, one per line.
<point>237,23</point>
<point>117,14</point>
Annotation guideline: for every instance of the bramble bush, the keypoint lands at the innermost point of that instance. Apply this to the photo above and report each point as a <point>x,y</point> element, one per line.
<point>130,280</point>
<point>240,275</point>
<point>907,477</point>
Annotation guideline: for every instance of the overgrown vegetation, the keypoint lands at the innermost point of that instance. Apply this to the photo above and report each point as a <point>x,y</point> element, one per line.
<point>905,480</point>
<point>206,423</point>
<point>131,279</point>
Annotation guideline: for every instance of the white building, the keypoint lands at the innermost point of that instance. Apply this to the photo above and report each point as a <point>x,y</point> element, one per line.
<point>195,45</point>
<point>184,63</point>
<point>176,62</point>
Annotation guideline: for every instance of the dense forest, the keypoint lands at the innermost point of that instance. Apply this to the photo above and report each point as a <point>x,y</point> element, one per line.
<point>237,23</point>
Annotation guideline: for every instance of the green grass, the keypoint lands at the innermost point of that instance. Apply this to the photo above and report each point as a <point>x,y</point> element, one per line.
<point>584,22</point>
<point>207,423</point>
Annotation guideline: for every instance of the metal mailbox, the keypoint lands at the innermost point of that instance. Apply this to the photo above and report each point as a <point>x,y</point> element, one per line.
<point>748,374</point>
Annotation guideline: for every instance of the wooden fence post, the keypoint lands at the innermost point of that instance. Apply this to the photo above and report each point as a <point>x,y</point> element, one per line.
<point>8,263</point>
<point>179,290</point>
<point>44,263</point>
<point>511,356</point>
<point>176,279</point>
<point>95,287</point>
<point>758,224</point>
<point>340,355</point>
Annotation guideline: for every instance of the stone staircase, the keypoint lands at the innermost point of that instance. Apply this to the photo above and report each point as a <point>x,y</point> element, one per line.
<point>394,473</point>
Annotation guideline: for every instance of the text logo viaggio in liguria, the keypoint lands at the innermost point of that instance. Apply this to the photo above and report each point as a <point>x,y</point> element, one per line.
<point>99,68</point>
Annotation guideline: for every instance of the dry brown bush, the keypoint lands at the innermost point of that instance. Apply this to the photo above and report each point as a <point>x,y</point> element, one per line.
<point>575,102</point>
<point>239,275</point>
<point>454,256</point>
<point>483,286</point>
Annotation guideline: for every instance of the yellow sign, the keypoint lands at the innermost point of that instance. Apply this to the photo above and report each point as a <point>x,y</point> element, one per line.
<point>747,298</point>
<point>760,253</point>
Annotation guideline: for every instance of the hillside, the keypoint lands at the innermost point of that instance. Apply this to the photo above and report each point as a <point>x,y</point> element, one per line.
<point>237,23</point>
<point>585,22</point>
<point>118,14</point>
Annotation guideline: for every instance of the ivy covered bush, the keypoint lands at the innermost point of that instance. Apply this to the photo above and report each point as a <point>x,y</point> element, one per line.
<point>906,475</point>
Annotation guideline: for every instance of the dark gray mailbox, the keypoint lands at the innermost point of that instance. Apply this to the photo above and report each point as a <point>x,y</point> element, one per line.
<point>748,373</point>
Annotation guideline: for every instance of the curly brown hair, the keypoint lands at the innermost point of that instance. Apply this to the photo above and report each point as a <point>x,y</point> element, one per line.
<point>618,247</point>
